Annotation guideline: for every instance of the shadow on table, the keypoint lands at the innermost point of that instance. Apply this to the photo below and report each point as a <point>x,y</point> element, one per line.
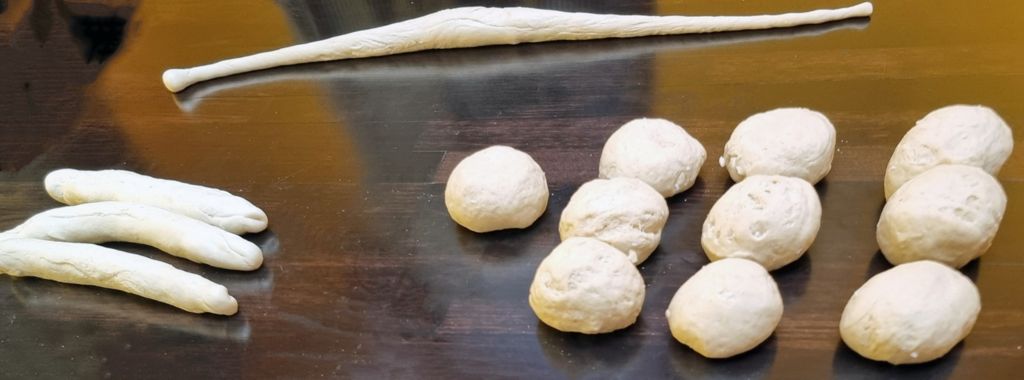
<point>753,364</point>
<point>847,364</point>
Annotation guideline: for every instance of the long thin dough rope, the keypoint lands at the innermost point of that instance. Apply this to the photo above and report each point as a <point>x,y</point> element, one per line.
<point>480,26</point>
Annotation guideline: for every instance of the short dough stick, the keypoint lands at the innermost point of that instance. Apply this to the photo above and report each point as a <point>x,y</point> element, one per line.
<point>481,26</point>
<point>215,207</point>
<point>178,235</point>
<point>88,264</point>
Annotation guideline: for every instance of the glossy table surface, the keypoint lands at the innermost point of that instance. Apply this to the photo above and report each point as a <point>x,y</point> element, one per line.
<point>367,277</point>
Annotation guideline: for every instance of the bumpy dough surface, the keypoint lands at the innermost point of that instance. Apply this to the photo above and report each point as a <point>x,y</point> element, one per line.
<point>623,212</point>
<point>958,134</point>
<point>655,151</point>
<point>496,188</point>
<point>587,286</point>
<point>912,313</point>
<point>727,308</point>
<point>794,142</point>
<point>771,220</point>
<point>949,214</point>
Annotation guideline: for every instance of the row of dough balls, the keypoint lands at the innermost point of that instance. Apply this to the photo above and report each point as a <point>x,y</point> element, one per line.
<point>944,209</point>
<point>767,220</point>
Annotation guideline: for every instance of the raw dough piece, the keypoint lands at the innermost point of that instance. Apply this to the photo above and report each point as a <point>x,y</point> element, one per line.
<point>211,206</point>
<point>655,151</point>
<point>794,142</point>
<point>771,220</point>
<point>949,214</point>
<point>912,313</point>
<point>87,264</point>
<point>623,212</point>
<point>180,236</point>
<point>479,26</point>
<point>587,286</point>
<point>495,189</point>
<point>958,134</point>
<point>727,308</point>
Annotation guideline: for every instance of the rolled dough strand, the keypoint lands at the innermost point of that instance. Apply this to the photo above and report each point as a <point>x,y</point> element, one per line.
<point>88,264</point>
<point>480,26</point>
<point>177,235</point>
<point>215,207</point>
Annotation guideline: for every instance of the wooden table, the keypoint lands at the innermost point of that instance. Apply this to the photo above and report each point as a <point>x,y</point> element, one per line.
<point>365,274</point>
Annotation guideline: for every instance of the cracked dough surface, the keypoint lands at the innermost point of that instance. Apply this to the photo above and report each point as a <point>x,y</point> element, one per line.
<point>957,134</point>
<point>623,212</point>
<point>949,214</point>
<point>771,220</point>
<point>794,142</point>
<point>496,188</point>
<point>727,308</point>
<point>656,151</point>
<point>912,313</point>
<point>587,286</point>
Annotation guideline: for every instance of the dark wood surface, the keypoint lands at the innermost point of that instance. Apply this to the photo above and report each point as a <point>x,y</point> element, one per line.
<point>366,276</point>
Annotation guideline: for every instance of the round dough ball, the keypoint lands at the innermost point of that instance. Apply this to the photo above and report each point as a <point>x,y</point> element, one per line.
<point>587,286</point>
<point>623,212</point>
<point>496,188</point>
<point>949,214</point>
<point>656,151</point>
<point>912,313</point>
<point>958,134</point>
<point>771,220</point>
<point>794,142</point>
<point>727,308</point>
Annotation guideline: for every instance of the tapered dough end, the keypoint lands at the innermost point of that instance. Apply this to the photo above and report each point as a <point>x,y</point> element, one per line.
<point>863,9</point>
<point>220,302</point>
<point>176,79</point>
<point>250,255</point>
<point>55,182</point>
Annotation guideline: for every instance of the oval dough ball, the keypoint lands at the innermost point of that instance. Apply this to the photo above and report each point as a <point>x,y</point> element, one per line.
<point>727,308</point>
<point>623,212</point>
<point>958,134</point>
<point>587,286</point>
<point>912,313</point>
<point>772,220</point>
<point>656,151</point>
<point>794,142</point>
<point>949,214</point>
<point>496,188</point>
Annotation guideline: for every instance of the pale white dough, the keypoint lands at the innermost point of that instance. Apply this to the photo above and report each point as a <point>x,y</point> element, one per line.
<point>180,236</point>
<point>957,134</point>
<point>949,214</point>
<point>88,264</point>
<point>623,212</point>
<point>480,26</point>
<point>771,220</point>
<point>587,286</point>
<point>495,189</point>
<point>913,313</point>
<point>655,151</point>
<point>215,207</point>
<point>727,308</point>
<point>794,142</point>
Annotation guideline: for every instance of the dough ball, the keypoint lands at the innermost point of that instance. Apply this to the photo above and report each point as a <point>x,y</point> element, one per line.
<point>623,212</point>
<point>655,151</point>
<point>587,286</point>
<point>496,188</point>
<point>771,220</point>
<point>794,142</point>
<point>912,313</point>
<point>949,214</point>
<point>959,134</point>
<point>727,308</point>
